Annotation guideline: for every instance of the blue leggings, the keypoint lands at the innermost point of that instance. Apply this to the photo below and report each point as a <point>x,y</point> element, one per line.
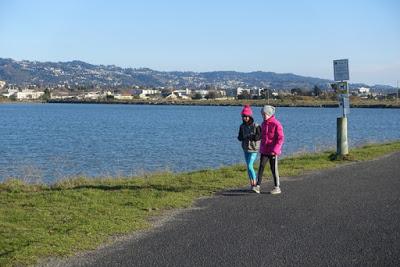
<point>250,159</point>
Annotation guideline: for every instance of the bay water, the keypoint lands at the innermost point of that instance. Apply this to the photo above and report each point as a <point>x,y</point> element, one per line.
<point>49,142</point>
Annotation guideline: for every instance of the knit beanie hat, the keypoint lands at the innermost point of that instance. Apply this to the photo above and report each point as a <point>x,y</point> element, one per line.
<point>247,111</point>
<point>269,110</point>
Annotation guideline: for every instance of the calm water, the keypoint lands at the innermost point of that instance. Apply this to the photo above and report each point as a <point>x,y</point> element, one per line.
<point>52,141</point>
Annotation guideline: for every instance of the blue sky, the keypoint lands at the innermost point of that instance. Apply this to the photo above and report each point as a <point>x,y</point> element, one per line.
<point>301,37</point>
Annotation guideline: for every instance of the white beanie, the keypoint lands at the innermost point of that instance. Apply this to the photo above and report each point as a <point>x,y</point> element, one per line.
<point>269,110</point>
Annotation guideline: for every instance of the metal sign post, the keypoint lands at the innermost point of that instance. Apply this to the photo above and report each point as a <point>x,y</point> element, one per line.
<point>343,97</point>
<point>341,76</point>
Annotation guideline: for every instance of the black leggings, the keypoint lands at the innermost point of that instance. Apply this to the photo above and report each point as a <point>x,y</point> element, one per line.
<point>273,163</point>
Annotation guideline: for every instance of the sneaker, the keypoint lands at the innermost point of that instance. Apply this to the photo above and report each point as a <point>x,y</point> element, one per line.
<point>276,191</point>
<point>257,189</point>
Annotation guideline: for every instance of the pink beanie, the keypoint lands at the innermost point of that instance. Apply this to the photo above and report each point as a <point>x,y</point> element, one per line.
<point>247,111</point>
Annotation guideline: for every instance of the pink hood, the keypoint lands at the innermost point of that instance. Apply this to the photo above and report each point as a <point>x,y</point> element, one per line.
<point>272,137</point>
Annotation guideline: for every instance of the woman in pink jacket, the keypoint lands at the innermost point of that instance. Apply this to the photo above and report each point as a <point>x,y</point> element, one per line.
<point>272,138</point>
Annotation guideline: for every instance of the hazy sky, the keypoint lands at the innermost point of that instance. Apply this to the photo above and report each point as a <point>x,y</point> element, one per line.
<point>298,36</point>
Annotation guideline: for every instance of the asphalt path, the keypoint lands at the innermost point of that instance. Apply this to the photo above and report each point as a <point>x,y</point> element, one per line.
<point>346,216</point>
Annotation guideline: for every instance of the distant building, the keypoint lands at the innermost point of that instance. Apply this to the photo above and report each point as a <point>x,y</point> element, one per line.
<point>172,96</point>
<point>240,90</point>
<point>2,84</point>
<point>123,97</point>
<point>221,93</point>
<point>186,92</point>
<point>28,94</point>
<point>145,93</point>
<point>363,92</point>
<point>256,91</point>
<point>63,94</point>
<point>10,92</point>
<point>93,95</point>
<point>181,94</point>
<point>203,93</point>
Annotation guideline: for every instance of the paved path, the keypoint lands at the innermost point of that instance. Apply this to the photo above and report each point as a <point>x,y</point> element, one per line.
<point>347,216</point>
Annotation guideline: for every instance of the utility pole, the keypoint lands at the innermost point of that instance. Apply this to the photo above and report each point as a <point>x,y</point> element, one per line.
<point>397,91</point>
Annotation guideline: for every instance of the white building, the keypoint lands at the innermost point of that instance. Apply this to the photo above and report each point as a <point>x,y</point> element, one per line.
<point>145,93</point>
<point>240,90</point>
<point>93,95</point>
<point>10,92</point>
<point>123,96</point>
<point>28,94</point>
<point>186,92</point>
<point>177,95</point>
<point>275,94</point>
<point>257,91</point>
<point>2,84</point>
<point>364,90</point>
<point>62,95</point>
<point>222,93</point>
<point>172,96</point>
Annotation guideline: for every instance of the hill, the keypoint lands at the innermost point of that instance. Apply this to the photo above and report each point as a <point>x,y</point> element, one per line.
<point>81,74</point>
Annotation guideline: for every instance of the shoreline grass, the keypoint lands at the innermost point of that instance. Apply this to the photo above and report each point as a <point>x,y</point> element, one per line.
<point>39,221</point>
<point>292,101</point>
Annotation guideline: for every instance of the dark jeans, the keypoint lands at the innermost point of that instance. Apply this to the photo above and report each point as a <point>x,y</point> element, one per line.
<point>273,163</point>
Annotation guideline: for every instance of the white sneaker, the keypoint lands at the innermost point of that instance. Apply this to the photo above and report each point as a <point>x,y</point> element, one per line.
<point>276,191</point>
<point>256,189</point>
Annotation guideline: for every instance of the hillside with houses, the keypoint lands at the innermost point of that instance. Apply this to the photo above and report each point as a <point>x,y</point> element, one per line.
<point>33,93</point>
<point>78,74</point>
<point>77,80</point>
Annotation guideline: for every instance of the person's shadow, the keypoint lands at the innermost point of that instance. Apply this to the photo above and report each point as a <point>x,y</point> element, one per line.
<point>239,192</point>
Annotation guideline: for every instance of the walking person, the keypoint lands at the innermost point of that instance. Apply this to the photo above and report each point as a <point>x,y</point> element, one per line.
<point>250,135</point>
<point>272,139</point>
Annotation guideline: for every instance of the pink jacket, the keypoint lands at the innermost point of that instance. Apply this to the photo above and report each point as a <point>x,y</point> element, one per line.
<point>272,137</point>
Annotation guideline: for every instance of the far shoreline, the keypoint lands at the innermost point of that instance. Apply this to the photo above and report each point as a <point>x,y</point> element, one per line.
<point>277,103</point>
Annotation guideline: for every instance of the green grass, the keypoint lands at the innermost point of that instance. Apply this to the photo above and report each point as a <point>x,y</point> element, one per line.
<point>39,221</point>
